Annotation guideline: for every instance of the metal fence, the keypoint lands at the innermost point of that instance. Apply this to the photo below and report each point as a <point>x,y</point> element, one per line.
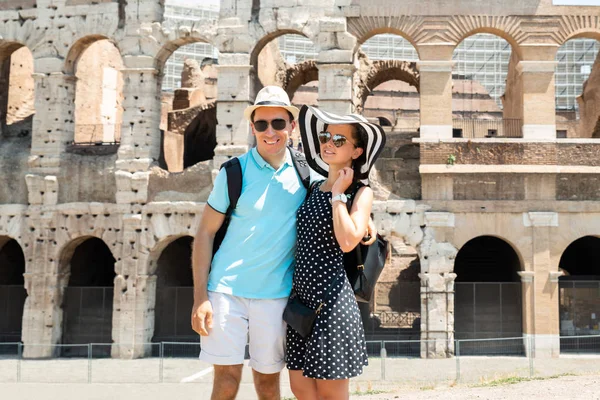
<point>397,361</point>
<point>487,128</point>
<point>485,310</point>
<point>12,300</point>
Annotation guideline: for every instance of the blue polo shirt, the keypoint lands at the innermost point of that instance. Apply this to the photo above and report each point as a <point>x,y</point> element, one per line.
<point>257,256</point>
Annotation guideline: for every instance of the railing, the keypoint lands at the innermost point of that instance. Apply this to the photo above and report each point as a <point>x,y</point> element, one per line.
<point>397,361</point>
<point>487,128</point>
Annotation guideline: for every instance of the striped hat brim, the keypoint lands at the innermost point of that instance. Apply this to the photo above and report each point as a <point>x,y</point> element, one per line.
<point>312,121</point>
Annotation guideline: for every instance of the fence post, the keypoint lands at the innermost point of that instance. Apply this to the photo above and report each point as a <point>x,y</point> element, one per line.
<point>19,356</point>
<point>457,352</point>
<point>383,354</point>
<point>161,353</point>
<point>531,372</point>
<point>89,347</point>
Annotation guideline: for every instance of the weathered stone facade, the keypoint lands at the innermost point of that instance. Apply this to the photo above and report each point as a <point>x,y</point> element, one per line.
<point>137,209</point>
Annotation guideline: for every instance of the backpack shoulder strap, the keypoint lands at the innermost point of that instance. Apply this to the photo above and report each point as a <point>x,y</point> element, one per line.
<point>352,191</point>
<point>301,166</point>
<point>233,169</point>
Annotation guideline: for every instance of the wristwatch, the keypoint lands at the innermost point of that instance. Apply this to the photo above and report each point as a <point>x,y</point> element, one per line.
<point>339,197</point>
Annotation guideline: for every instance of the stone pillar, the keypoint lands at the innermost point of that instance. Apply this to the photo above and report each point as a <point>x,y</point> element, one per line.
<point>536,71</point>
<point>236,91</point>
<point>53,127</point>
<point>435,78</point>
<point>134,294</point>
<point>45,284</point>
<point>528,307</point>
<point>336,66</point>
<point>140,133</point>
<point>539,113</point>
<point>437,286</point>
<point>540,298</point>
<point>437,314</point>
<point>335,87</point>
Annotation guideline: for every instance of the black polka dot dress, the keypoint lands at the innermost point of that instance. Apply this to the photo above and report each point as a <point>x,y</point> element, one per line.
<point>336,348</point>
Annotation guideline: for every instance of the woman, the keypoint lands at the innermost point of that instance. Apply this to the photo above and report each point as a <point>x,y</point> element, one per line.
<point>343,149</point>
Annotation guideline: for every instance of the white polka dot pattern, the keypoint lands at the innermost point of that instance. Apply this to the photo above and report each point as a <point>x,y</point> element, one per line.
<point>336,348</point>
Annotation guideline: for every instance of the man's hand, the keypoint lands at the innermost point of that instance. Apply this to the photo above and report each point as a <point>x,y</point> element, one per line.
<point>371,233</point>
<point>202,317</point>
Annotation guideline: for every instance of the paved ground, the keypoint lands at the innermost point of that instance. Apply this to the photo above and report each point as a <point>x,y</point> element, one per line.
<point>183,378</point>
<point>567,387</point>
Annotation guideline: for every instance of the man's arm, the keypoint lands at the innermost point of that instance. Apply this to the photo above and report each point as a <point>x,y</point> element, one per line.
<point>201,258</point>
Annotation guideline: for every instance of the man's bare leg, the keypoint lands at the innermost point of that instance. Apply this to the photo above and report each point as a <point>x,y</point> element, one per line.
<point>226,382</point>
<point>267,385</point>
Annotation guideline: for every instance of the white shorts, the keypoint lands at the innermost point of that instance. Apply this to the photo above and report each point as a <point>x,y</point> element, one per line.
<point>237,321</point>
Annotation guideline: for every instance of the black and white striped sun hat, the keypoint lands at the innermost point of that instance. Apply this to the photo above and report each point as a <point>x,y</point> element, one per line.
<point>312,121</point>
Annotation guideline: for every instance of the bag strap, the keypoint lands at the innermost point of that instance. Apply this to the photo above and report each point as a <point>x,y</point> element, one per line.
<point>233,169</point>
<point>301,166</point>
<point>360,265</point>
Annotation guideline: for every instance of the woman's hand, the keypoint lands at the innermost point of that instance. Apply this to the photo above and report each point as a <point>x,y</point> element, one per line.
<point>343,181</point>
<point>371,233</point>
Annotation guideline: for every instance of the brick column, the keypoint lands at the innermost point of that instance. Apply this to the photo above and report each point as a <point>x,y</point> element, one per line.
<point>540,292</point>
<point>436,99</point>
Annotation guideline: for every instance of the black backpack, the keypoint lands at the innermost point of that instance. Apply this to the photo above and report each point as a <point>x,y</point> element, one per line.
<point>234,188</point>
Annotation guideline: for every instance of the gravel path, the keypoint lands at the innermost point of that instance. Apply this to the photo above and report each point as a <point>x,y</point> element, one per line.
<point>566,387</point>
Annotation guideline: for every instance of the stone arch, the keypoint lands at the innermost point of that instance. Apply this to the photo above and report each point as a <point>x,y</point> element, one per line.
<point>7,48</point>
<point>262,42</point>
<point>382,71</point>
<point>578,116</point>
<point>409,27</point>
<point>17,98</point>
<point>15,33</point>
<point>98,89</point>
<point>577,26</point>
<point>506,27</point>
<point>504,238</point>
<point>171,46</point>
<point>79,47</point>
<point>86,278</point>
<point>160,245</point>
<point>386,120</point>
<point>580,252</point>
<point>174,292</point>
<point>12,290</point>
<point>491,241</point>
<point>488,293</point>
<point>298,75</point>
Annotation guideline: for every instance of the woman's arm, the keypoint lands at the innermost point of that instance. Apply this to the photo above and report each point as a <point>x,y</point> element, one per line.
<point>350,228</point>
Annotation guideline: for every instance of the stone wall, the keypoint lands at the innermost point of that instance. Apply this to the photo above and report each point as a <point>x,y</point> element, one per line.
<point>512,153</point>
<point>398,166</point>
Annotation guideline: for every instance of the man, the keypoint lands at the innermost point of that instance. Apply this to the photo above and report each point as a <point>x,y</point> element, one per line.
<point>251,274</point>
